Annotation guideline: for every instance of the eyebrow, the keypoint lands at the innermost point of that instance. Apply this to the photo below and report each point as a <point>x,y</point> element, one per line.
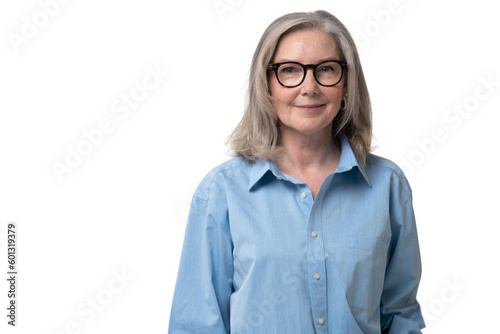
<point>320,61</point>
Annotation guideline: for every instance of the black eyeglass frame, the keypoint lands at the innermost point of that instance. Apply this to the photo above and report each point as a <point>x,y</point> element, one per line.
<point>275,67</point>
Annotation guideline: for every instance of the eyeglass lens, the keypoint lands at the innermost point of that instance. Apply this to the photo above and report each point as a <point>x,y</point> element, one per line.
<point>327,73</point>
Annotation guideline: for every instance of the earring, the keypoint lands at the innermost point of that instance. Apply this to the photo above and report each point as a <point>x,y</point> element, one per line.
<point>343,104</point>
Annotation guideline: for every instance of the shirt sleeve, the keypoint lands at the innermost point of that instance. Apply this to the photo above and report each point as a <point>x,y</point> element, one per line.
<point>204,280</point>
<point>400,311</point>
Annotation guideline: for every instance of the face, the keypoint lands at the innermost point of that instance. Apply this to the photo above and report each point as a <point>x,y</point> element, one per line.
<point>309,108</point>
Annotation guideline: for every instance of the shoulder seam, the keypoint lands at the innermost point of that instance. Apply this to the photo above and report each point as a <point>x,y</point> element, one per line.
<point>398,172</point>
<point>213,178</point>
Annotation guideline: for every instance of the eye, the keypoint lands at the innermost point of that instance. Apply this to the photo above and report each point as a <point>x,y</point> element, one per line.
<point>326,69</point>
<point>289,69</point>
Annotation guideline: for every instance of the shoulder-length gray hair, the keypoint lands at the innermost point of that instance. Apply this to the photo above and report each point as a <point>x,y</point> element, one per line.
<point>257,136</point>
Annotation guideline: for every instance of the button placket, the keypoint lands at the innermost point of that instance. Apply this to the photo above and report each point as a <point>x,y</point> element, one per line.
<point>316,261</point>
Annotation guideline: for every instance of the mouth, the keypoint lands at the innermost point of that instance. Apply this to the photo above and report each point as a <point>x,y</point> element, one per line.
<point>310,107</point>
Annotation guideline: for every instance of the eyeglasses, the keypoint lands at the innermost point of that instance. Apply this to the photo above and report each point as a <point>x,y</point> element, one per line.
<point>291,74</point>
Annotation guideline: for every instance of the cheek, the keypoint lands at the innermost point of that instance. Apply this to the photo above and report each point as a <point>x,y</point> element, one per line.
<point>283,96</point>
<point>335,95</point>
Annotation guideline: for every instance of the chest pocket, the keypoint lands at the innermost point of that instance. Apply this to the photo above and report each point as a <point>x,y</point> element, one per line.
<point>363,260</point>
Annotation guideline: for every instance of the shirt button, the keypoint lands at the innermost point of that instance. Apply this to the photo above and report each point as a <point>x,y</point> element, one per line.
<point>321,321</point>
<point>278,178</point>
<point>317,276</point>
<point>314,234</point>
<point>303,195</point>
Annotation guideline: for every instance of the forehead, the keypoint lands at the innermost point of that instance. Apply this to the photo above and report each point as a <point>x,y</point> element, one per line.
<point>306,46</point>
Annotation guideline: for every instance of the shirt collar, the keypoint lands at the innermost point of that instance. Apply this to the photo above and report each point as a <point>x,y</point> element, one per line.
<point>259,169</point>
<point>347,162</point>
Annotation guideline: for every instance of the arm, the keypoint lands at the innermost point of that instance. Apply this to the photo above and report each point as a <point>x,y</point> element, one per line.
<point>204,281</point>
<point>399,310</point>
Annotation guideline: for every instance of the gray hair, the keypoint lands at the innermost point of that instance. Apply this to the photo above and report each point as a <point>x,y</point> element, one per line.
<point>257,136</point>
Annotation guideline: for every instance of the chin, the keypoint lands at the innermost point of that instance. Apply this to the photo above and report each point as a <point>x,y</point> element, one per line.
<point>312,130</point>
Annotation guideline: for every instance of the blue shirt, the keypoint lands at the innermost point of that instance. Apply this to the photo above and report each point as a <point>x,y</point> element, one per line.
<point>261,256</point>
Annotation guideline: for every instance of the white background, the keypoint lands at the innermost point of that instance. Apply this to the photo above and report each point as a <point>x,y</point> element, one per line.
<point>124,207</point>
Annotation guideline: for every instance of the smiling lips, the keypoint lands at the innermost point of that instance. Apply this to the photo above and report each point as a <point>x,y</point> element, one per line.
<point>310,107</point>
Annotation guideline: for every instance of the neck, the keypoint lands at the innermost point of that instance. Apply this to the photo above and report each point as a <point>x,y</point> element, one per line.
<point>308,153</point>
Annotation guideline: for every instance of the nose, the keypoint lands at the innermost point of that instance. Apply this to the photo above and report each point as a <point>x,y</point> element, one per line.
<point>309,85</point>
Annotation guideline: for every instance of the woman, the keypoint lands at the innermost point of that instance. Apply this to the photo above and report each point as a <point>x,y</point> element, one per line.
<point>304,231</point>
